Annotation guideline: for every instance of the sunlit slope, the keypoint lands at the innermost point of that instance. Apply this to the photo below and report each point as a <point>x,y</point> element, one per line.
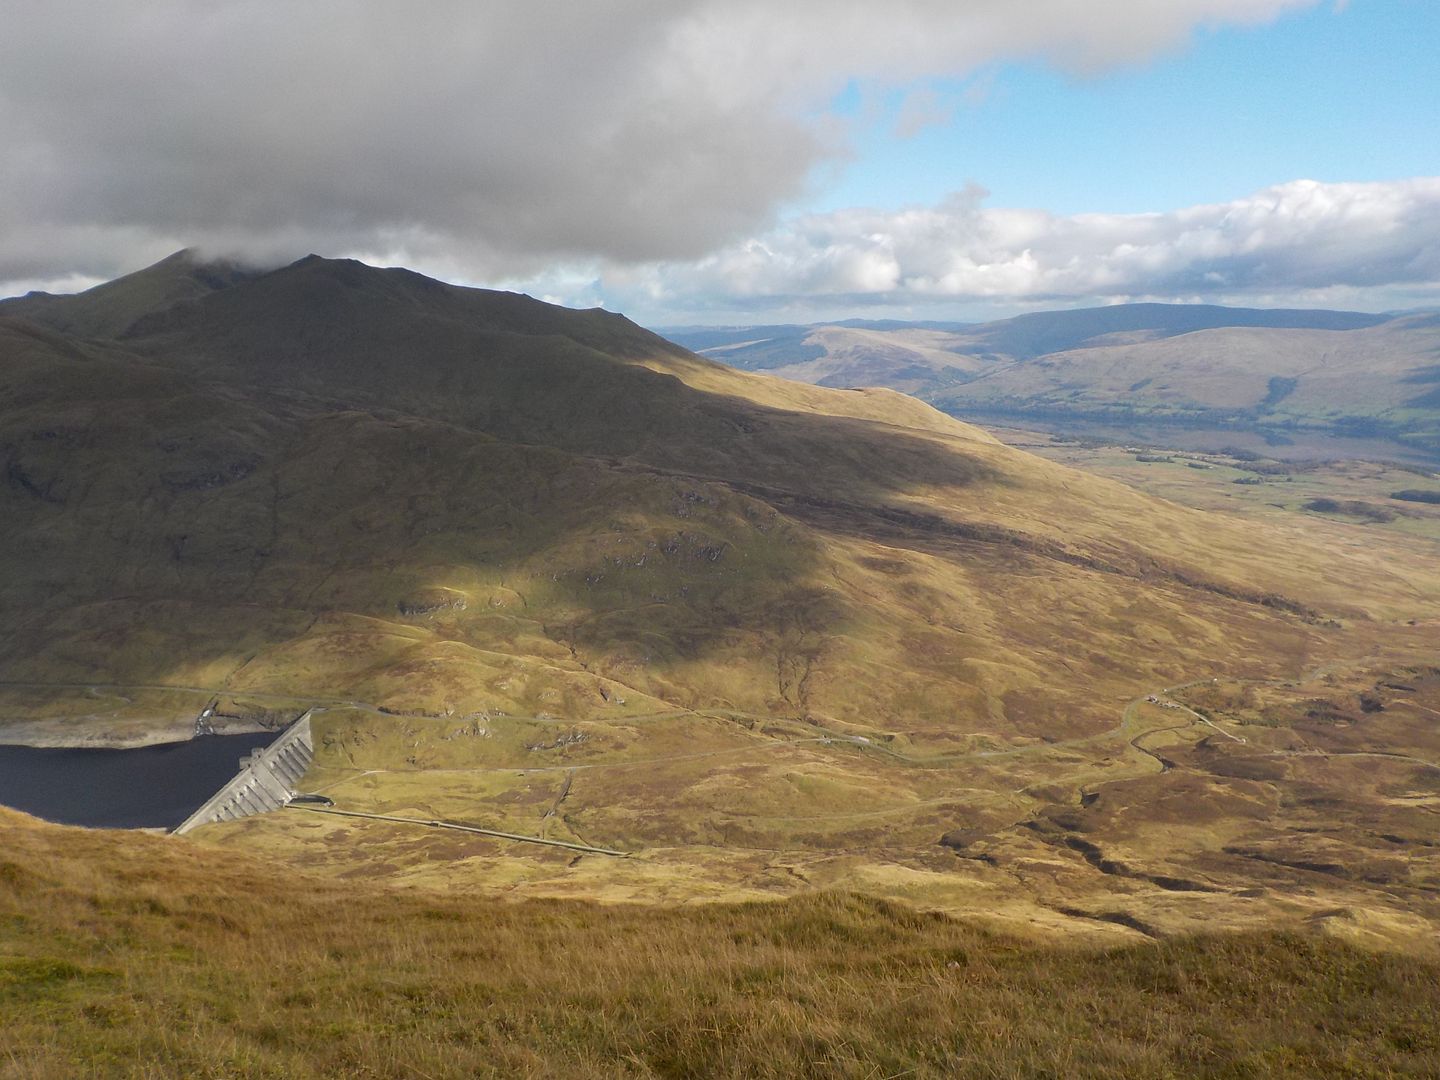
<point>347,483</point>
<point>909,359</point>
<point>127,954</point>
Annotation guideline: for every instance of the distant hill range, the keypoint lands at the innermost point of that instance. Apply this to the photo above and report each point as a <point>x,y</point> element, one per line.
<point>1155,369</point>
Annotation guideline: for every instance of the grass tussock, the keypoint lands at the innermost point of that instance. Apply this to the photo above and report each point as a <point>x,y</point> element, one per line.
<point>137,956</point>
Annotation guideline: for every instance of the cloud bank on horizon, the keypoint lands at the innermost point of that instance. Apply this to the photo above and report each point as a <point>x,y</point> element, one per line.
<point>639,151</point>
<point>1323,243</point>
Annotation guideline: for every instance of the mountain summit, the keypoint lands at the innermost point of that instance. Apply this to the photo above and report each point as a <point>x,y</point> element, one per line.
<point>108,310</point>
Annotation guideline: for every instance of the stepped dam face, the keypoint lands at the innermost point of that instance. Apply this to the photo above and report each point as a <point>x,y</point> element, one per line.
<point>267,780</point>
<point>157,787</point>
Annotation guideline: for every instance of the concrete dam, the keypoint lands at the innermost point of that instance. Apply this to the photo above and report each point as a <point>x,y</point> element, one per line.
<point>266,780</point>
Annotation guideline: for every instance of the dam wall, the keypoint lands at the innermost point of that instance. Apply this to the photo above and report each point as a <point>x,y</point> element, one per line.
<point>266,780</point>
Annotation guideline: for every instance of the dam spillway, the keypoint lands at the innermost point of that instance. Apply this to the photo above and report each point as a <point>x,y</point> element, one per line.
<point>267,780</point>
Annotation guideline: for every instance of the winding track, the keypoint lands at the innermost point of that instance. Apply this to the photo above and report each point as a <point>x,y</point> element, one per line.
<point>435,824</point>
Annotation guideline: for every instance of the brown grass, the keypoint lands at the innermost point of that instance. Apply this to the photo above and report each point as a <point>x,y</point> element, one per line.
<point>126,955</point>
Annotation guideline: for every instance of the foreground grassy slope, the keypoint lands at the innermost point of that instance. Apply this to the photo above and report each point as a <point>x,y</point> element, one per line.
<point>136,955</point>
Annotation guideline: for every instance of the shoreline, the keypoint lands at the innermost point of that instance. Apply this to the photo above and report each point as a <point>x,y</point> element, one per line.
<point>13,734</point>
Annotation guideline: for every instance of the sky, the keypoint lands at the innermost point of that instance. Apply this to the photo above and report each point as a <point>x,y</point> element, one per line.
<point>733,162</point>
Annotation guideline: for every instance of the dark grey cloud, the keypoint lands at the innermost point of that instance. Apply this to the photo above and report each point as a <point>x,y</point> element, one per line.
<point>485,137</point>
<point>261,127</point>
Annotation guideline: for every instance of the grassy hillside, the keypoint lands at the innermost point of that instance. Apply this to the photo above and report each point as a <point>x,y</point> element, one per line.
<point>444,479</point>
<point>551,573</point>
<point>1045,332</point>
<point>137,955</point>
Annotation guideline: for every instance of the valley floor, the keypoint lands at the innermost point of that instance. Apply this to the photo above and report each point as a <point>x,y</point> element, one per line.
<point>1224,473</point>
<point>1304,805</point>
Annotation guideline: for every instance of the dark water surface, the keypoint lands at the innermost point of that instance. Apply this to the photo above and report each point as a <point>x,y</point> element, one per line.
<point>141,787</point>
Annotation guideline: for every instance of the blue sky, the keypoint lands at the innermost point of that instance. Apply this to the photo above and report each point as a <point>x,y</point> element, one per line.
<point>1233,116</point>
<point>1322,94</point>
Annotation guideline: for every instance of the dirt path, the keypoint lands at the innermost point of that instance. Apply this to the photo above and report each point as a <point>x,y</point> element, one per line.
<point>586,848</point>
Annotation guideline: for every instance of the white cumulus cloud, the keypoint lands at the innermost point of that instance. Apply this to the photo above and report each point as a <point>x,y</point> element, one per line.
<point>1286,241</point>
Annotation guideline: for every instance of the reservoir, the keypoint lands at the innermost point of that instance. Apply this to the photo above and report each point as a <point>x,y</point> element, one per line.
<point>135,788</point>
